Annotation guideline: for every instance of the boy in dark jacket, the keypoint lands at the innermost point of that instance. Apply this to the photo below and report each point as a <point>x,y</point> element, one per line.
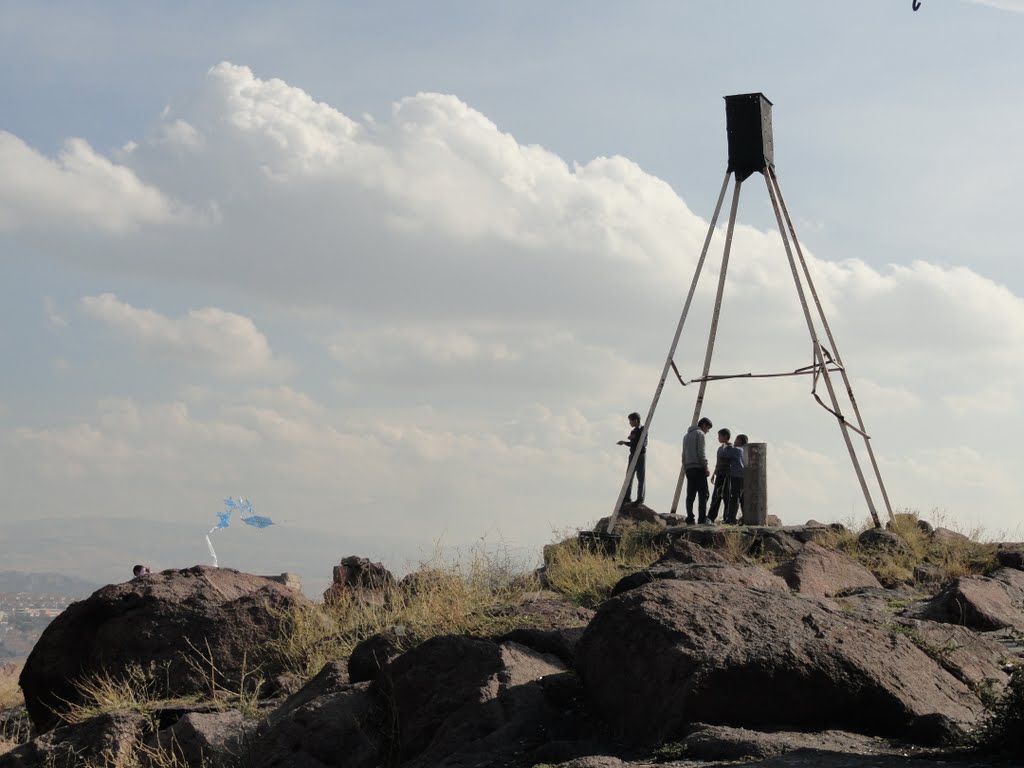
<point>641,463</point>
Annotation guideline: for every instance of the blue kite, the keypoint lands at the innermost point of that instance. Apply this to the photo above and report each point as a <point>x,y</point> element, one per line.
<point>245,514</point>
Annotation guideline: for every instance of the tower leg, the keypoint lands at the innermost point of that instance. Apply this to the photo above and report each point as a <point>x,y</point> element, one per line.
<point>832,343</point>
<point>819,357</point>
<point>714,330</point>
<point>671,353</point>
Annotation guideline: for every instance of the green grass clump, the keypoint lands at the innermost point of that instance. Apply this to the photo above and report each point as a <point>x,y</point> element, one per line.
<point>1003,729</point>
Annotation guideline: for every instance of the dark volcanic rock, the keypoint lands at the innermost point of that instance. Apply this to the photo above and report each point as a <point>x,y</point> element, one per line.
<point>974,659</point>
<point>343,728</point>
<point>824,572</point>
<point>332,678</point>
<point>360,579</point>
<point>979,602</point>
<point>204,739</point>
<point>631,515</point>
<point>108,739</point>
<point>154,623</point>
<point>721,742</point>
<point>751,576</point>
<point>688,553</point>
<point>455,695</point>
<point>547,610</point>
<point>371,654</point>
<point>884,540</point>
<point>1010,556</point>
<point>560,643</point>
<point>681,652</point>
<point>947,536</point>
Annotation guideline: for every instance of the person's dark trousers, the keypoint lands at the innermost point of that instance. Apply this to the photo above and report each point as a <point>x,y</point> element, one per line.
<point>696,485</point>
<point>732,507</point>
<point>719,495</point>
<point>641,476</point>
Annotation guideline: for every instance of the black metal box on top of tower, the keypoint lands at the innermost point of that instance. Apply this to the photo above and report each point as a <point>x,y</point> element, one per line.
<point>748,124</point>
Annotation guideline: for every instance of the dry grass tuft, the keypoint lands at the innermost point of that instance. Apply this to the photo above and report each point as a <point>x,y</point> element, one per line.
<point>477,595</point>
<point>947,557</point>
<point>10,692</point>
<point>586,575</point>
<point>137,690</point>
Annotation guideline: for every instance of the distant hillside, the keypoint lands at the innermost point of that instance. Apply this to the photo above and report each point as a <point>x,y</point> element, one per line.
<point>43,583</point>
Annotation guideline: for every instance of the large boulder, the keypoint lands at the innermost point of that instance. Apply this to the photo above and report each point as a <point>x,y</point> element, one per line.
<point>824,572</point>
<point>153,626</point>
<point>463,695</point>
<point>679,652</point>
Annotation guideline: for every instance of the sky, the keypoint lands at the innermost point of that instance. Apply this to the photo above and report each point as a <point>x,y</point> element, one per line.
<point>397,272</point>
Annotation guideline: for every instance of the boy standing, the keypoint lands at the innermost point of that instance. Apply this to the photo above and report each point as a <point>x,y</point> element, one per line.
<point>695,462</point>
<point>720,477</point>
<point>641,463</point>
<point>736,469</point>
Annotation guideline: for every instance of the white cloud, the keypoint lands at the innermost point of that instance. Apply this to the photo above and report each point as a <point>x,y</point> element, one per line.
<point>209,337</point>
<point>488,313</point>
<point>80,190</point>
<point>1017,6</point>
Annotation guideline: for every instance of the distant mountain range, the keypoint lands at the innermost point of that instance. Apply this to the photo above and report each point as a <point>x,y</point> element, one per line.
<point>44,583</point>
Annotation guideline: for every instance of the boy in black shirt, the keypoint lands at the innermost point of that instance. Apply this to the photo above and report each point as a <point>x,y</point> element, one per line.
<point>641,463</point>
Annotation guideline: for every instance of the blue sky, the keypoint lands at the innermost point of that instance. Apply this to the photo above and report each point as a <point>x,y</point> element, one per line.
<point>397,272</point>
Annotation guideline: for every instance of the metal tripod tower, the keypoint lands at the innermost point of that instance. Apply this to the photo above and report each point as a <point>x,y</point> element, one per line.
<point>751,150</point>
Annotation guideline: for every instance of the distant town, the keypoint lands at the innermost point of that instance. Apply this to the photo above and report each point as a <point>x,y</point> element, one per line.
<point>23,617</point>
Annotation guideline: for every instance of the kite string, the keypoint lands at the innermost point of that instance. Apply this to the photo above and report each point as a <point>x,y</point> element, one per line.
<point>209,545</point>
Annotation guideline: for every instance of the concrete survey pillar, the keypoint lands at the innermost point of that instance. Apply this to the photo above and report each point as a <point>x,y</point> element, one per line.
<point>755,483</point>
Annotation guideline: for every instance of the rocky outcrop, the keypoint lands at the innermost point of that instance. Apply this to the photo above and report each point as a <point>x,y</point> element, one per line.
<point>152,626</point>
<point>682,652</point>
<point>824,572</point>
<point>359,579</point>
